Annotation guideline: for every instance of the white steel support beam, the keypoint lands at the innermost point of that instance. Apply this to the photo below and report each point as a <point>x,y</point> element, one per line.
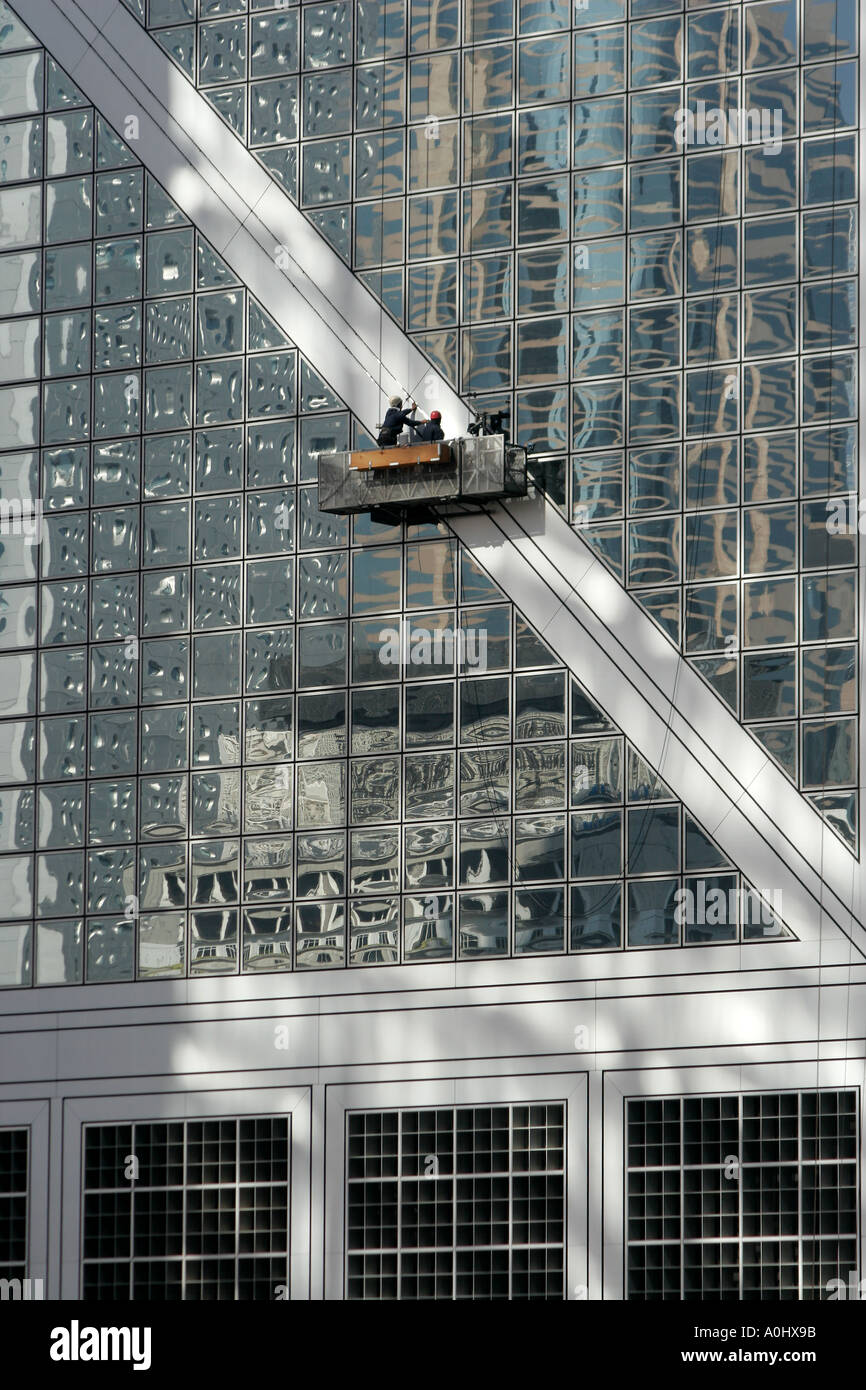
<point>677,723</point>
<point>682,729</point>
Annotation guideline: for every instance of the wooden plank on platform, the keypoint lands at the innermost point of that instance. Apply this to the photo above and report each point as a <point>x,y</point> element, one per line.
<point>400,456</point>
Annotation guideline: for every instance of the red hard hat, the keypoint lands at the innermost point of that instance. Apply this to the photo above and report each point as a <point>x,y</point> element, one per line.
<point>435,415</point>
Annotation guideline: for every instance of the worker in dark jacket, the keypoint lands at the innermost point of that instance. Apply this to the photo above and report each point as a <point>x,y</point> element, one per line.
<point>429,431</point>
<point>395,420</point>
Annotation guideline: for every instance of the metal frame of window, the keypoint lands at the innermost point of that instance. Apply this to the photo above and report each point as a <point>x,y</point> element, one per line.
<point>33,1116</point>
<point>696,1081</point>
<point>148,1107</point>
<point>459,1092</point>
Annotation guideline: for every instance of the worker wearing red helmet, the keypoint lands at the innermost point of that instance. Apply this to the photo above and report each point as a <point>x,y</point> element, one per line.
<point>429,431</point>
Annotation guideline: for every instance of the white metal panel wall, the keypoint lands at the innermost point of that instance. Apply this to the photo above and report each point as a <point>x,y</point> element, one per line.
<point>771,1039</point>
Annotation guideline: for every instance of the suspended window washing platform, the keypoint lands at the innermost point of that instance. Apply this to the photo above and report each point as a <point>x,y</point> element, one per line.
<point>406,477</point>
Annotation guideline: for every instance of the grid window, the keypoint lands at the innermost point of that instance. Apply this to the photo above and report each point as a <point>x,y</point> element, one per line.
<point>741,1197</point>
<point>186,1209</point>
<point>456,1203</point>
<point>14,1193</point>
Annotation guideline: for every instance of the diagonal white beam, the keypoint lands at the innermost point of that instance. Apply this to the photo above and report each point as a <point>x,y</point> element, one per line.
<point>681,728</point>
<point>675,721</point>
